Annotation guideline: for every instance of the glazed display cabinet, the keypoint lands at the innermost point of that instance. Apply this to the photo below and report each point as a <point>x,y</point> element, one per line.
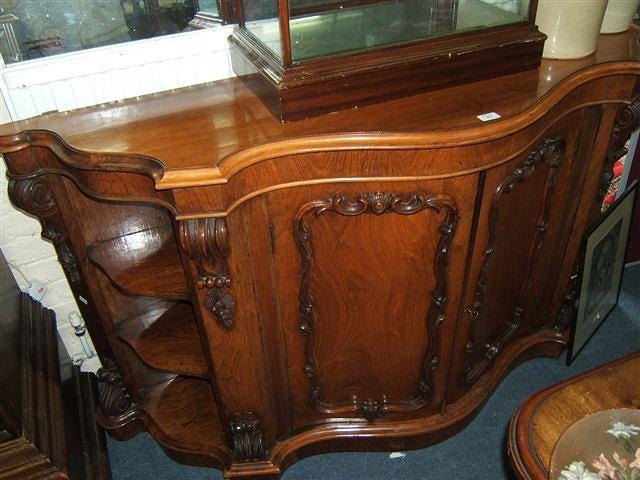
<point>306,57</point>
<point>262,291</point>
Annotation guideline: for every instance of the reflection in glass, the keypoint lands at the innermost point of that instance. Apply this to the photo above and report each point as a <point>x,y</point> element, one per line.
<point>209,6</point>
<point>39,28</point>
<point>324,27</point>
<point>261,19</point>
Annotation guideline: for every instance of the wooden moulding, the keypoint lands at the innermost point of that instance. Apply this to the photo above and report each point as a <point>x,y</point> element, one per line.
<point>143,263</point>
<point>349,80</point>
<point>39,450</point>
<point>167,340</point>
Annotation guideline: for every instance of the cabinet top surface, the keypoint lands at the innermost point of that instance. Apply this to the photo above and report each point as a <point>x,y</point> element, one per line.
<point>199,132</point>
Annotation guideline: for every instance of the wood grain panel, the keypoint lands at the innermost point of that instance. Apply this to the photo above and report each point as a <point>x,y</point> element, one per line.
<point>143,263</point>
<point>166,339</point>
<point>341,291</point>
<point>516,225</point>
<point>182,416</point>
<point>241,382</point>
<point>389,299</point>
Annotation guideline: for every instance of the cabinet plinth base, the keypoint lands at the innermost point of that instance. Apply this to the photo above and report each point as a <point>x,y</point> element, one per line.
<point>181,416</point>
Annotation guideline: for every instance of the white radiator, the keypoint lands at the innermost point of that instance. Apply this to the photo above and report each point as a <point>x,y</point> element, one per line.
<point>100,75</point>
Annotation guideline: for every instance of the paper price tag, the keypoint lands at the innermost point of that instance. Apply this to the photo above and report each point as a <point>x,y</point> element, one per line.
<point>485,117</point>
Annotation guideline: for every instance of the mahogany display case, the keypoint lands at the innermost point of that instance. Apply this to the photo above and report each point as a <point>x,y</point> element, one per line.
<point>307,57</point>
<point>259,292</point>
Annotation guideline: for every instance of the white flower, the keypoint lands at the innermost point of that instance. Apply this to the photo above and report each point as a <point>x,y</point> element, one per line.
<point>620,430</point>
<point>578,471</point>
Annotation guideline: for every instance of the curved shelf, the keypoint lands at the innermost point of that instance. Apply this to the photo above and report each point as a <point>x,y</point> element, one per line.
<point>144,263</point>
<point>167,340</point>
<point>182,416</point>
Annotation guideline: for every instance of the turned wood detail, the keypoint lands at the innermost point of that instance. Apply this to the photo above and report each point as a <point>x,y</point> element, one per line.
<point>376,203</point>
<point>34,196</point>
<point>115,400</point>
<point>205,241</point>
<point>550,152</point>
<point>247,437</point>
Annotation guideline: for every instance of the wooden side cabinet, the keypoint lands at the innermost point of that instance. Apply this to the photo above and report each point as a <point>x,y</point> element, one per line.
<point>260,291</point>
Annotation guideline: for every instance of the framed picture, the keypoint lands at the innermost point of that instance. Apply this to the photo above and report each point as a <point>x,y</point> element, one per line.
<point>603,250</point>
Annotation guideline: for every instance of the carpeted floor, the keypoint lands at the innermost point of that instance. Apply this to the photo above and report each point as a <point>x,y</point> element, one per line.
<point>478,452</point>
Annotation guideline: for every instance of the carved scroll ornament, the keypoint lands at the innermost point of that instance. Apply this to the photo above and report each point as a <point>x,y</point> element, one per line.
<point>551,153</point>
<point>247,437</point>
<point>34,195</point>
<point>376,203</point>
<point>627,122</point>
<point>114,400</point>
<point>205,242</point>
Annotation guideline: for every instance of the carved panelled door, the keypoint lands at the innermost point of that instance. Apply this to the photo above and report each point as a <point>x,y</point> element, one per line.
<point>528,209</point>
<point>530,181</point>
<point>366,278</point>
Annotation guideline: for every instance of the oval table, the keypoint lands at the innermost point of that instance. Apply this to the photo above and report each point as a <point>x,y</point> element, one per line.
<point>542,418</point>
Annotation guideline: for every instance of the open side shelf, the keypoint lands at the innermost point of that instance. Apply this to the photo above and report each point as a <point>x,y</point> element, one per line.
<point>143,263</point>
<point>182,416</point>
<point>167,340</point>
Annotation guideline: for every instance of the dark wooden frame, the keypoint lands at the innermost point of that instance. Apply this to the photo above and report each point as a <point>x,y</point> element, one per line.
<point>296,90</point>
<point>572,349</point>
<point>53,432</point>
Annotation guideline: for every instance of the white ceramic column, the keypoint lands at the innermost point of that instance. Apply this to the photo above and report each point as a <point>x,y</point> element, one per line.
<point>572,26</point>
<point>619,15</point>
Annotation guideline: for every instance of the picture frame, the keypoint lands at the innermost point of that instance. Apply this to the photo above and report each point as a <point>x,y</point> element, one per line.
<point>602,254</point>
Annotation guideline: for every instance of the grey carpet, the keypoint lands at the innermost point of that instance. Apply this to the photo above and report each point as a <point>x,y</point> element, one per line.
<point>478,452</point>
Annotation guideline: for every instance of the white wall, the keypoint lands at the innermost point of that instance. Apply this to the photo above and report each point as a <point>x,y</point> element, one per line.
<point>81,79</point>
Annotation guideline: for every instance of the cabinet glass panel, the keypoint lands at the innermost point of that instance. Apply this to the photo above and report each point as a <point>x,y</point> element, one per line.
<point>209,6</point>
<point>325,27</point>
<point>261,19</point>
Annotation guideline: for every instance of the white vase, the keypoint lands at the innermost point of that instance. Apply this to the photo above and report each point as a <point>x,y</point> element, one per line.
<point>619,15</point>
<point>572,26</point>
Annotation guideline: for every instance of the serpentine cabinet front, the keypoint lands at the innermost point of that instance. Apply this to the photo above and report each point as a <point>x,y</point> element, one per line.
<point>326,299</point>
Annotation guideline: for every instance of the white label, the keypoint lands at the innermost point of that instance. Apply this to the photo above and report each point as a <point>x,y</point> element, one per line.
<point>485,117</point>
<point>83,300</point>
<point>394,455</point>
